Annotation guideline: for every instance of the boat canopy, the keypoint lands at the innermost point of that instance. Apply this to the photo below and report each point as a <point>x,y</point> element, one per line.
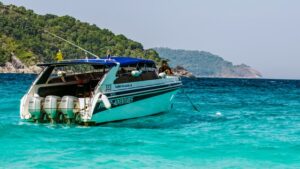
<point>123,61</point>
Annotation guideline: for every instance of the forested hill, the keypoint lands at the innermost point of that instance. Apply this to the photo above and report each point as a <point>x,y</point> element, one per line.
<point>205,64</point>
<point>22,34</point>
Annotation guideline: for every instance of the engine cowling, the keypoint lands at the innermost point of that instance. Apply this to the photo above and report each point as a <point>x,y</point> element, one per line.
<point>35,107</point>
<point>51,106</point>
<point>67,106</point>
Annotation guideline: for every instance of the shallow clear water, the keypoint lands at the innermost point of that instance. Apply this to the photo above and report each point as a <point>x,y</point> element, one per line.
<point>259,128</point>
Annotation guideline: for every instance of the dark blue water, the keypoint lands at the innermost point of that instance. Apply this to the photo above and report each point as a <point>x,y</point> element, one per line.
<point>259,127</point>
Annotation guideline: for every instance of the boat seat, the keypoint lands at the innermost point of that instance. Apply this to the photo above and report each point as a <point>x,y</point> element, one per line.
<point>70,78</point>
<point>128,78</point>
<point>148,75</point>
<point>55,80</point>
<point>80,77</point>
<point>57,90</point>
<point>97,75</point>
<point>121,79</point>
<point>67,89</point>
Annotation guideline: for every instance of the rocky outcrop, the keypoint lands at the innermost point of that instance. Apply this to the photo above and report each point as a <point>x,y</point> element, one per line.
<point>16,66</point>
<point>181,71</point>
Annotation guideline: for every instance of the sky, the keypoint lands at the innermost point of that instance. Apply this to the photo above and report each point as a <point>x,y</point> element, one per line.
<point>264,34</point>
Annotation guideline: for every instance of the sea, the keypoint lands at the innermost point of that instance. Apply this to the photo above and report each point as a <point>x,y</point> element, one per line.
<point>213,123</point>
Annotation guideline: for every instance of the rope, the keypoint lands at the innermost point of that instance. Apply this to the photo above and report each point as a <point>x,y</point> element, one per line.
<point>189,99</point>
<point>71,43</point>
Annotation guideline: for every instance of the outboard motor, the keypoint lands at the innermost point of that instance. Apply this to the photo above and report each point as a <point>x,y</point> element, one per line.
<point>67,107</point>
<point>35,107</point>
<point>51,107</point>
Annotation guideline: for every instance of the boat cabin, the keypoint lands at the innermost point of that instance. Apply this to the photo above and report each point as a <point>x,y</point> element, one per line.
<point>79,78</point>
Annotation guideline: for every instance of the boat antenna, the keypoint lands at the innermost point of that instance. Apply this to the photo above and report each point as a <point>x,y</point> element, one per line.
<point>71,43</point>
<point>189,99</point>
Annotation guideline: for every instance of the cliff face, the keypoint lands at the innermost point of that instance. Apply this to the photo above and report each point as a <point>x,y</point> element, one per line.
<point>205,64</point>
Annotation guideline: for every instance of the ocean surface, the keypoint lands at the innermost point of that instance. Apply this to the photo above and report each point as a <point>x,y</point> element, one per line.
<point>241,124</point>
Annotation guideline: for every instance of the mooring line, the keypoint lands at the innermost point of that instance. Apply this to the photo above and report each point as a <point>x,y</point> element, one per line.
<point>189,99</point>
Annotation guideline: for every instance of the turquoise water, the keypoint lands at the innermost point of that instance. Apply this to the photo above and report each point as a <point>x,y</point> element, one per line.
<point>259,128</point>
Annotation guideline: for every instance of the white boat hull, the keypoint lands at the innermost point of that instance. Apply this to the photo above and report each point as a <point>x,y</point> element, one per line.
<point>145,107</point>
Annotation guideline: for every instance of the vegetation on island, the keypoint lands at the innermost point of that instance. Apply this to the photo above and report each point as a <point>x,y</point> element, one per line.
<point>22,33</point>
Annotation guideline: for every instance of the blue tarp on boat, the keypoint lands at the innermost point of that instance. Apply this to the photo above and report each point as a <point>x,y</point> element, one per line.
<point>124,61</point>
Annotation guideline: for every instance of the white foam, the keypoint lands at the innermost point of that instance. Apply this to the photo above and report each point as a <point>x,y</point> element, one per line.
<point>219,114</point>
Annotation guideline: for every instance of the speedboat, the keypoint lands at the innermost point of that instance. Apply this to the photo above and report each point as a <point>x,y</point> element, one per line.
<point>95,91</point>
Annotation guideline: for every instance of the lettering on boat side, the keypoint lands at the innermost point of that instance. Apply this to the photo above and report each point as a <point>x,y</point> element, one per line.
<point>118,101</point>
<point>108,87</point>
<point>123,85</point>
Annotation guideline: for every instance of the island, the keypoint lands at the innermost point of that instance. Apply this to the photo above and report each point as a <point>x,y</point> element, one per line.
<point>205,64</point>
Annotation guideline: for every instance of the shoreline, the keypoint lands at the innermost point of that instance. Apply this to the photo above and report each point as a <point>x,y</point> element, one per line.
<point>182,76</point>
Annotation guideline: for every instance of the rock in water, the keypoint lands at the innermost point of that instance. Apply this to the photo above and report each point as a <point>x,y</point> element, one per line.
<point>181,71</point>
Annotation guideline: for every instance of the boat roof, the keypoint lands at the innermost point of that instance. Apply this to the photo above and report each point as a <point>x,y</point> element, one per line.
<point>123,61</point>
